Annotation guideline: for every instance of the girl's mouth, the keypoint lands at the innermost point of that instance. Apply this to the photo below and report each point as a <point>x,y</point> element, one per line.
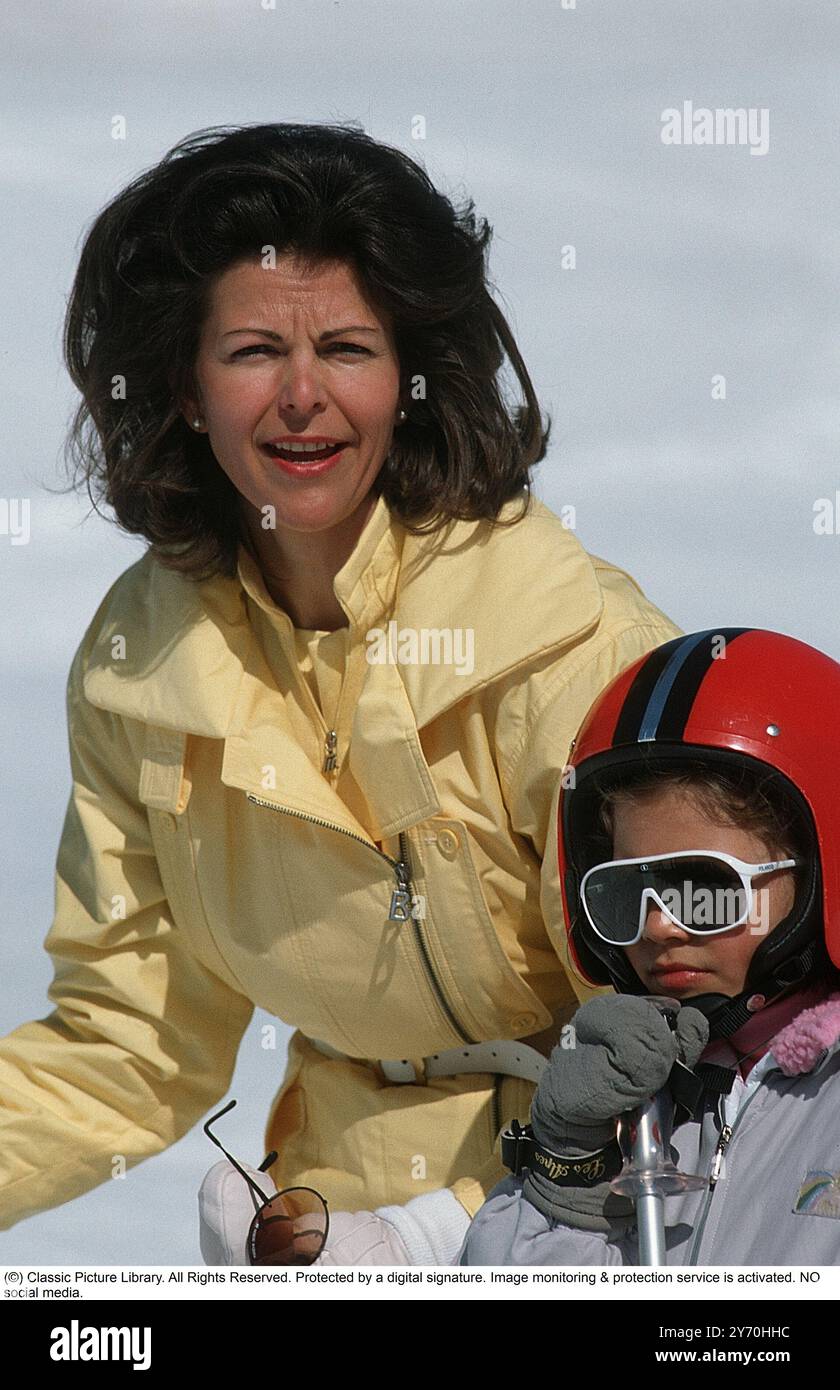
<point>678,977</point>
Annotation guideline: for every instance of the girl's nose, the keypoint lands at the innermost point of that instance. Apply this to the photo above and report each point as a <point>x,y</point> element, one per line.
<point>659,927</point>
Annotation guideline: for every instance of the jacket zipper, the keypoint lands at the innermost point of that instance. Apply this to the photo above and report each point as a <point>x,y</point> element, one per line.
<point>724,1140</point>
<point>330,740</point>
<point>405,864</point>
<point>330,751</point>
<point>400,906</point>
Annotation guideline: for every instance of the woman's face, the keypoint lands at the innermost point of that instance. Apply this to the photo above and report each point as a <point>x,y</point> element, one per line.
<point>271,364</point>
<point>668,959</point>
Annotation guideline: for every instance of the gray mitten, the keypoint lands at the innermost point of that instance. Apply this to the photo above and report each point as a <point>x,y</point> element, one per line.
<point>622,1053</point>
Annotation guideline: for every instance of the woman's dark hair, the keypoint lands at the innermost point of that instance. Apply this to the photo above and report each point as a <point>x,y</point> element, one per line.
<point>324,193</point>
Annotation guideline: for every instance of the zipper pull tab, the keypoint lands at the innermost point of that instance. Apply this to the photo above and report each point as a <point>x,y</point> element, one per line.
<point>725,1136</point>
<point>330,758</point>
<point>400,910</point>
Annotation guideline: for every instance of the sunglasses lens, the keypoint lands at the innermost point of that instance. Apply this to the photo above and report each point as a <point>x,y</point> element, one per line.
<point>291,1229</point>
<point>707,894</point>
<point>612,894</point>
<point>703,893</point>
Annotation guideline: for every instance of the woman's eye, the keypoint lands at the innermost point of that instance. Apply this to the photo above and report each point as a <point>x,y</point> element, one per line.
<point>332,347</point>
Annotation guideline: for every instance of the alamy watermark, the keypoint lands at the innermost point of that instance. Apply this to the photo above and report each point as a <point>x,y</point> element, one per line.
<point>14,519</point>
<point>80,1342</point>
<point>424,646</point>
<point>705,907</point>
<point>722,125</point>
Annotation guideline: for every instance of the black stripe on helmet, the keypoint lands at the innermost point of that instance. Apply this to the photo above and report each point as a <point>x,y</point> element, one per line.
<point>670,716</point>
<point>661,697</point>
<point>637,697</point>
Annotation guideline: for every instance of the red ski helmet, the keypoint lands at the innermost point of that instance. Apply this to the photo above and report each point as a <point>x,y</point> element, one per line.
<point>735,697</point>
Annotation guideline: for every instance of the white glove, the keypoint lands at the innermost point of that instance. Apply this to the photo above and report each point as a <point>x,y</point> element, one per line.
<point>226,1208</point>
<point>427,1230</point>
<point>362,1238</point>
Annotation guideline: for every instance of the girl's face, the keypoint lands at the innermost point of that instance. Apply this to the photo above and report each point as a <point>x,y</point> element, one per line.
<point>668,959</point>
<point>271,364</point>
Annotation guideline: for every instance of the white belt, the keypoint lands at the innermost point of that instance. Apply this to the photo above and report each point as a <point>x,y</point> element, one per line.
<point>505,1055</point>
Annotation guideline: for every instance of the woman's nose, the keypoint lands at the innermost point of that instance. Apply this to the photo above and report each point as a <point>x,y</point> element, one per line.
<point>301,388</point>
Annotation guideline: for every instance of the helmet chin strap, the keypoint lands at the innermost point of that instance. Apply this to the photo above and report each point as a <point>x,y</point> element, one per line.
<point>727,1013</point>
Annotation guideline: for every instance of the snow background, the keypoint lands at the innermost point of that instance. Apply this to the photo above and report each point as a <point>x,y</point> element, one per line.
<point>691,261</point>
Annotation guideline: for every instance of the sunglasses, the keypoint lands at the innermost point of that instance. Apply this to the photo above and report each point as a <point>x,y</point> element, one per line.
<point>703,891</point>
<point>289,1228</point>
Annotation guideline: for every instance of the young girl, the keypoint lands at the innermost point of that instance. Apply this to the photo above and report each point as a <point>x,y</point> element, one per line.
<point>697,863</point>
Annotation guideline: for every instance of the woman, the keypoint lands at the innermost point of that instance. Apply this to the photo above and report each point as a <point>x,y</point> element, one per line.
<point>317,730</point>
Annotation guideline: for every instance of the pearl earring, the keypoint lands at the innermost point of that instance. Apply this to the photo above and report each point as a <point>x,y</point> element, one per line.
<point>197,422</point>
<point>402,416</point>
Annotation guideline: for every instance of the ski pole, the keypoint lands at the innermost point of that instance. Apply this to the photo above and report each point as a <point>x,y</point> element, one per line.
<point>649,1175</point>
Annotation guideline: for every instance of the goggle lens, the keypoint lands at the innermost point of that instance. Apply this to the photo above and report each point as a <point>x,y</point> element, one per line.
<point>702,893</point>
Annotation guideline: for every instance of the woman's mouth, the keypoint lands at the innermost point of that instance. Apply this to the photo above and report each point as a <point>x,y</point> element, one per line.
<point>304,462</point>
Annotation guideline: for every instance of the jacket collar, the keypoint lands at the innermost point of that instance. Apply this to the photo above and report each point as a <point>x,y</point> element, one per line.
<point>174,653</point>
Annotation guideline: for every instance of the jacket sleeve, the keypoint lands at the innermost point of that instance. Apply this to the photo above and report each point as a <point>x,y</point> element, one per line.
<point>143,1038</point>
<point>508,1230</point>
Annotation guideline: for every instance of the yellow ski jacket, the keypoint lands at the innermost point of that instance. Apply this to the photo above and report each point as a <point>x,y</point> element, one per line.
<point>208,863</point>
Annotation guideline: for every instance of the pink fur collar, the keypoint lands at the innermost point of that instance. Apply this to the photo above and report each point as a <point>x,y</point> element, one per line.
<point>798,1045</point>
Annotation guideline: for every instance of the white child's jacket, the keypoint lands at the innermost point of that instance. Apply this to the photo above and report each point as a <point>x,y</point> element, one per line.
<point>775,1140</point>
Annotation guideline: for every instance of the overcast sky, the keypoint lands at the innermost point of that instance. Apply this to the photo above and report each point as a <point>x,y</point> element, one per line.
<point>693,262</point>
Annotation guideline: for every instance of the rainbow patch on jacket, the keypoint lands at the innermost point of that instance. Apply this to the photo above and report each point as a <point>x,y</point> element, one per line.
<point>819,1195</point>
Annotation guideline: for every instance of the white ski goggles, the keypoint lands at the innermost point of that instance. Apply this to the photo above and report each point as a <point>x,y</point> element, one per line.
<point>705,892</point>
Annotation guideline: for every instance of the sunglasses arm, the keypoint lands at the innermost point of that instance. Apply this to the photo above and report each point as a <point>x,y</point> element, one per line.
<point>249,1180</point>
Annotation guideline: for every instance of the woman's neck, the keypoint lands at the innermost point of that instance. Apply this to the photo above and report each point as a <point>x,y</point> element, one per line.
<point>299,567</point>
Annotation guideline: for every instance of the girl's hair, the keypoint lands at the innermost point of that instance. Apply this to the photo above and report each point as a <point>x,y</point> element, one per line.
<point>323,193</point>
<point>739,796</point>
